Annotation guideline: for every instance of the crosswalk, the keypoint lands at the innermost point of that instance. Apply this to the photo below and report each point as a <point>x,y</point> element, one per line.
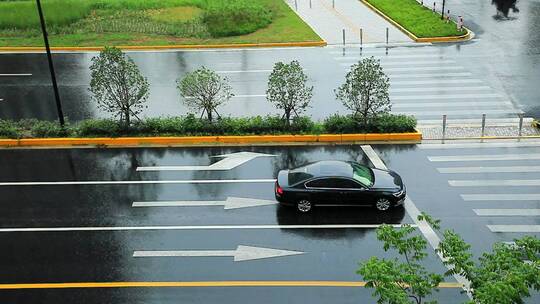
<point>502,184</point>
<point>427,83</point>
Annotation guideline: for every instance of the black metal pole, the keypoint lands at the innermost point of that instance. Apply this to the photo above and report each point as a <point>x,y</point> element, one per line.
<point>442,11</point>
<point>51,66</point>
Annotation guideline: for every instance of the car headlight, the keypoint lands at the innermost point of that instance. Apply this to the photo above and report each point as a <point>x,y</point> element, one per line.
<point>398,194</point>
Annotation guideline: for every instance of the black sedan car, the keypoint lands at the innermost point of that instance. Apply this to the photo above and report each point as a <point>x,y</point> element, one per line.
<point>339,183</point>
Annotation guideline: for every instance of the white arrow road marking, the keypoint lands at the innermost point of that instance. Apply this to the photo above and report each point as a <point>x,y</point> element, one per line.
<point>218,227</point>
<point>242,253</point>
<point>229,161</point>
<point>14,75</point>
<point>229,203</point>
<point>501,197</point>
<point>507,212</point>
<point>194,181</point>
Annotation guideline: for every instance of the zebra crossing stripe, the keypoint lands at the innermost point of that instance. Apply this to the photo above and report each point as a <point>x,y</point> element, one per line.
<point>507,212</point>
<point>496,157</point>
<point>501,197</point>
<point>435,81</point>
<point>520,144</point>
<point>515,228</point>
<point>451,96</point>
<point>489,104</point>
<point>457,112</point>
<point>440,89</point>
<point>495,183</point>
<point>429,75</point>
<point>510,169</point>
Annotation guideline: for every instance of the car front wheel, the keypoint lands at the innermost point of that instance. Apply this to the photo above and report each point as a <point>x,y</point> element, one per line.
<point>304,206</point>
<point>383,204</point>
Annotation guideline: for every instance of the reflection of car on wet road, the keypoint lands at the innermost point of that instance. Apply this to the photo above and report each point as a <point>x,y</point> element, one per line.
<point>338,183</point>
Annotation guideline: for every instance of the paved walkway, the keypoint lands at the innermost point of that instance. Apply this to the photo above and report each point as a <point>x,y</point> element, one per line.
<point>329,20</point>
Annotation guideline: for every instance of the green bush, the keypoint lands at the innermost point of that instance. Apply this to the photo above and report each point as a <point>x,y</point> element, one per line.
<point>41,129</point>
<point>235,17</point>
<point>387,123</point>
<point>9,129</point>
<point>99,127</point>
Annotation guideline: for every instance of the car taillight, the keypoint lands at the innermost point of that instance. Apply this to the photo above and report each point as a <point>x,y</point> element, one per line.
<point>279,190</point>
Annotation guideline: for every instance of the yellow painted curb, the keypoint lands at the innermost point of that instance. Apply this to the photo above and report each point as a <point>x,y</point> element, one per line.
<point>198,140</point>
<point>466,37</point>
<point>168,47</point>
<point>200,284</point>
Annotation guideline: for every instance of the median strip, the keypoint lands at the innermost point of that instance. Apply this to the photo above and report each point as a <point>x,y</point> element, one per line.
<point>199,284</point>
<point>206,140</point>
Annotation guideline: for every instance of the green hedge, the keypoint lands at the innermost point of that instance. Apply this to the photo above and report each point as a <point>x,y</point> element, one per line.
<point>192,126</point>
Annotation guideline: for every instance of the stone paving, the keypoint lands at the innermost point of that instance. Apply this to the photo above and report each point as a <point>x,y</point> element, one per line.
<point>328,18</point>
<point>433,132</point>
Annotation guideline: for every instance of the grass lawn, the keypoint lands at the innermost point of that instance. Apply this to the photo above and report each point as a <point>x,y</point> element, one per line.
<point>151,22</point>
<point>417,19</point>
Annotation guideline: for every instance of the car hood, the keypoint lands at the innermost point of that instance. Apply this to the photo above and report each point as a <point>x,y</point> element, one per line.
<point>386,179</point>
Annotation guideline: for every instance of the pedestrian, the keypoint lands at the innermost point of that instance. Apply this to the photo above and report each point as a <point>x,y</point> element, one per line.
<point>460,23</point>
<point>448,17</point>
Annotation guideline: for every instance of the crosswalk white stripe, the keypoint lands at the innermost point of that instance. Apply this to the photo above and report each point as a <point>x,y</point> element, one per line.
<point>489,104</point>
<point>475,122</point>
<point>244,71</point>
<point>390,57</point>
<point>457,112</point>
<point>507,212</point>
<point>429,75</point>
<point>435,81</point>
<point>449,96</point>
<point>501,197</point>
<point>430,68</point>
<point>519,144</point>
<point>390,64</point>
<point>495,183</point>
<point>483,157</point>
<point>439,89</point>
<point>382,51</point>
<point>514,228</point>
<point>515,169</point>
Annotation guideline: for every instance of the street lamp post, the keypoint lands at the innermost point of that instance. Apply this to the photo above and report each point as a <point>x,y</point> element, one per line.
<point>51,66</point>
<point>442,11</point>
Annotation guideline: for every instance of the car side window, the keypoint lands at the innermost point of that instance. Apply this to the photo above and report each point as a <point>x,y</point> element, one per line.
<point>333,183</point>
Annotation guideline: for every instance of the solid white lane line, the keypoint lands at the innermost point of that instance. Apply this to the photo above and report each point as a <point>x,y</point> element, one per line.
<point>16,75</point>
<point>413,212</point>
<point>507,212</point>
<point>449,96</point>
<point>439,89</point>
<point>515,228</point>
<point>216,227</point>
<point>430,75</point>
<point>509,169</point>
<point>458,112</point>
<point>518,144</point>
<point>244,71</point>
<point>201,181</point>
<point>460,158</point>
<point>478,104</point>
<point>495,183</point>
<point>434,81</point>
<point>501,197</point>
<point>373,157</point>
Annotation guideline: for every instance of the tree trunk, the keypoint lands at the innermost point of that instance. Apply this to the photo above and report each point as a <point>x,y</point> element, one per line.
<point>127,122</point>
<point>209,113</point>
<point>288,117</point>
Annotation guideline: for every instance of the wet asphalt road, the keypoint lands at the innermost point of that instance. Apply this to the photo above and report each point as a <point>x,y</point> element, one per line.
<point>497,73</point>
<point>329,254</point>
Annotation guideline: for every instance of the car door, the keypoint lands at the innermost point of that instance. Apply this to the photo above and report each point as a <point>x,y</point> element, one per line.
<point>354,193</point>
<point>323,191</point>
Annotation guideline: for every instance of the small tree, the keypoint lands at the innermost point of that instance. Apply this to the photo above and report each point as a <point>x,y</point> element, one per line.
<point>398,281</point>
<point>204,90</point>
<point>365,91</point>
<point>504,275</point>
<point>288,89</point>
<point>117,84</point>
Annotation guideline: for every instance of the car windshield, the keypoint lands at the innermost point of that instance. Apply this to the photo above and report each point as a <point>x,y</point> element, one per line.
<point>362,174</point>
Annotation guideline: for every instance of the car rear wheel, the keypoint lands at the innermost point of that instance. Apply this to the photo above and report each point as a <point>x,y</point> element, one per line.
<point>304,206</point>
<point>383,204</point>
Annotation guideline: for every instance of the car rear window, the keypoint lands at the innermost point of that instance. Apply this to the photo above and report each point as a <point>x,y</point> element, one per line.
<point>362,174</point>
<point>299,175</point>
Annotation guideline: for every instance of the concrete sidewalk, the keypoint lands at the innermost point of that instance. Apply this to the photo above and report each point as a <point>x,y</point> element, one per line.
<point>328,18</point>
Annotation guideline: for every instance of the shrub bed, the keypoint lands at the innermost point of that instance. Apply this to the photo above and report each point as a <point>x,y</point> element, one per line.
<point>192,126</point>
